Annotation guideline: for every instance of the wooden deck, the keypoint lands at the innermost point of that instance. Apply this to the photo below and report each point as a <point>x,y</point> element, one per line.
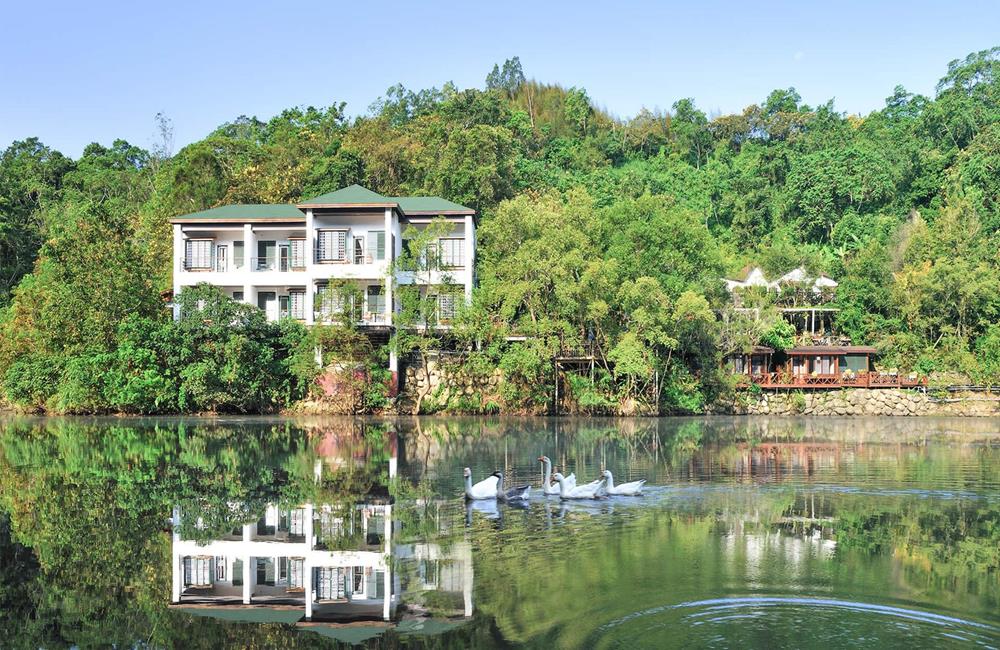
<point>856,380</point>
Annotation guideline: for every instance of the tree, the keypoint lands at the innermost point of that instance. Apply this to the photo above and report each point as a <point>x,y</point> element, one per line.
<point>421,301</point>
<point>31,177</point>
<point>509,79</point>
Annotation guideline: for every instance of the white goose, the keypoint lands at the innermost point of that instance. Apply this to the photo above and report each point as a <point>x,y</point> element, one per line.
<point>589,491</point>
<point>518,493</point>
<point>484,489</point>
<point>548,487</point>
<point>632,489</point>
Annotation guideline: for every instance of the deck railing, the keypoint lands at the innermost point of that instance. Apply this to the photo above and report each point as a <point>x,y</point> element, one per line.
<point>846,380</point>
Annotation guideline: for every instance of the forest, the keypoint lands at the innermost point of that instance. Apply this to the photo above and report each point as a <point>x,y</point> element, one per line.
<point>596,232</point>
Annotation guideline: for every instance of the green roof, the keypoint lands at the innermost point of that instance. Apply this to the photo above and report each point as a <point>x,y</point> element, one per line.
<point>243,212</point>
<point>248,614</point>
<point>349,195</point>
<point>353,634</point>
<point>357,195</point>
<point>428,204</point>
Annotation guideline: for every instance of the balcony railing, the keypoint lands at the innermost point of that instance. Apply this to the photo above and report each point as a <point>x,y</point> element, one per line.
<point>844,380</point>
<point>281,265</point>
<point>256,264</point>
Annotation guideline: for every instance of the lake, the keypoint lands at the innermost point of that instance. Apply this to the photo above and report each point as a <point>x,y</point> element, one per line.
<point>751,532</point>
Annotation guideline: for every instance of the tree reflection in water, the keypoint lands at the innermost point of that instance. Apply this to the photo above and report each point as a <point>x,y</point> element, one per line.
<point>867,511</point>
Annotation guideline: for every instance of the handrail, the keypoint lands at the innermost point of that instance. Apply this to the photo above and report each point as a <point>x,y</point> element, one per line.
<point>857,379</point>
<point>281,265</point>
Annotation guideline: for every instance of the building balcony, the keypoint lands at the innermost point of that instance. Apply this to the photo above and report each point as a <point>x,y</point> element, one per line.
<point>870,379</point>
<point>257,264</point>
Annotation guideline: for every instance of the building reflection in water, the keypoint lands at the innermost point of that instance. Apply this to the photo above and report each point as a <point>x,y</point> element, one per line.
<point>319,561</point>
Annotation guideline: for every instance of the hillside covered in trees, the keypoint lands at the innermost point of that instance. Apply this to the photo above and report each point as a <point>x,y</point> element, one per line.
<point>599,231</point>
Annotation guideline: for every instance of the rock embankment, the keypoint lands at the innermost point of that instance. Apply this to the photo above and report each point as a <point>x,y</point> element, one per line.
<point>864,401</point>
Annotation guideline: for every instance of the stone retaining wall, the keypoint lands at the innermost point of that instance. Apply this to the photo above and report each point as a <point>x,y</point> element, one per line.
<point>446,387</point>
<point>863,401</point>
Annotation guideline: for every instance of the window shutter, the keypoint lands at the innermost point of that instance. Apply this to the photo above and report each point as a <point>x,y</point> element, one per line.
<point>238,254</point>
<point>297,304</point>
<point>298,253</point>
<point>198,253</point>
<point>341,245</point>
<point>376,244</point>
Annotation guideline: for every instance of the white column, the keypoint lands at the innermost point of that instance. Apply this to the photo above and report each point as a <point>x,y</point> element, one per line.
<point>247,587</point>
<point>390,273</point>
<point>178,266</point>
<point>310,262</point>
<point>470,256</point>
<point>467,586</point>
<point>307,585</point>
<point>387,575</point>
<point>307,566</point>
<point>249,253</point>
<point>178,569</point>
<point>310,294</point>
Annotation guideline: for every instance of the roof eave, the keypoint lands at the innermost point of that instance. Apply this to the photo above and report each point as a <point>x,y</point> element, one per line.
<point>239,220</point>
<point>331,206</point>
<point>445,213</point>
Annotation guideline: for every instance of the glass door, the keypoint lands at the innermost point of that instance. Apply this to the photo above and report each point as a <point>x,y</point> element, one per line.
<point>284,257</point>
<point>266,253</point>
<point>221,260</point>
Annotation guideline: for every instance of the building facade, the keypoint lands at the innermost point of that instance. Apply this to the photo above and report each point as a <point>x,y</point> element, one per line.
<point>294,261</point>
<point>820,357</point>
<point>283,258</point>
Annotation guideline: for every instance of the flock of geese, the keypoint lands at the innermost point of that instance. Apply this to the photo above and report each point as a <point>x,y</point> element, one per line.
<point>492,487</point>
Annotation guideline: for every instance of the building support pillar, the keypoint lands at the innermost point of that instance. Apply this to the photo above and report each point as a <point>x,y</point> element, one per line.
<point>247,587</point>
<point>178,266</point>
<point>387,574</point>
<point>249,262</point>
<point>470,257</point>
<point>390,304</point>
<point>307,567</point>
<point>177,585</point>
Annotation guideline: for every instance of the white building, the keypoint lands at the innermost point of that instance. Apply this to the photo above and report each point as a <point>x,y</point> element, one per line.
<point>288,259</point>
<point>317,562</point>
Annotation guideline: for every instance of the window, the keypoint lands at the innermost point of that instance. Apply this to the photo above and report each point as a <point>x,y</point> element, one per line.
<point>376,245</point>
<point>267,255</point>
<point>220,568</point>
<point>359,250</point>
<point>329,583</point>
<point>298,253</point>
<point>427,570</point>
<point>220,258</point>
<point>296,569</point>
<point>298,522</point>
<point>265,571</point>
<point>238,254</point>
<point>238,296</point>
<point>331,246</point>
<point>446,307</point>
<point>197,571</point>
<point>376,302</point>
<point>198,254</point>
<point>237,573</point>
<point>282,569</point>
<point>297,304</point>
<point>452,253</point>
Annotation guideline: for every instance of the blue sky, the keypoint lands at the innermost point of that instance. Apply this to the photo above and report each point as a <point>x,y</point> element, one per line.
<point>73,72</point>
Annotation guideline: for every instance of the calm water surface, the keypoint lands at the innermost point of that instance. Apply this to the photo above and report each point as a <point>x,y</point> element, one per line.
<point>753,532</point>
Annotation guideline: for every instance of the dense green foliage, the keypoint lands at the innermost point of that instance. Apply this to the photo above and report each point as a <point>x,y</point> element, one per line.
<point>596,232</point>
